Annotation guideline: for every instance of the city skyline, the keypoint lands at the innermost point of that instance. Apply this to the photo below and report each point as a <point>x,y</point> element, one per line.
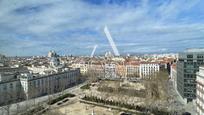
<point>30,27</point>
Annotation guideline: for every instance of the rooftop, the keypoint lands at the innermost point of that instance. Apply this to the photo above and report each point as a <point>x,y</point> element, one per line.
<point>195,50</point>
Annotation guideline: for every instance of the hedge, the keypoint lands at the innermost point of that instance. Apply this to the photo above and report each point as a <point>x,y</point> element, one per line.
<point>60,98</point>
<point>87,86</point>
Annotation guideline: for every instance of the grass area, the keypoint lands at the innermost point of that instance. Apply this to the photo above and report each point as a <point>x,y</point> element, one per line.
<point>60,98</point>
<point>87,86</point>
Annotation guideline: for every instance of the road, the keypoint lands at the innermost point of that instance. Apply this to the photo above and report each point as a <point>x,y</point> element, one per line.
<point>177,103</point>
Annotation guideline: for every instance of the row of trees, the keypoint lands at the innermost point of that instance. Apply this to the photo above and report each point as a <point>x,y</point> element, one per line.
<point>125,105</point>
<point>123,91</point>
<point>157,89</point>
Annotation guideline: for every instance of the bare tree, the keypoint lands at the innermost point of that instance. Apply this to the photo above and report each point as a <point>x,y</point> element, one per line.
<point>92,75</point>
<point>156,88</point>
<point>8,99</point>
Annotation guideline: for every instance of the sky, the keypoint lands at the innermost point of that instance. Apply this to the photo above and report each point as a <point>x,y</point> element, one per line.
<point>33,27</point>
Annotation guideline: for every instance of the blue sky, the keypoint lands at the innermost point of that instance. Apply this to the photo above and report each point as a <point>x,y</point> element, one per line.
<point>33,27</point>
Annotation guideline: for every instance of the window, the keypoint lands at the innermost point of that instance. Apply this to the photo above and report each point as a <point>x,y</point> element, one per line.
<point>190,56</point>
<point>181,60</point>
<point>190,60</point>
<point>17,86</point>
<point>11,86</point>
<point>200,56</point>
<point>188,70</point>
<point>5,88</point>
<point>38,83</point>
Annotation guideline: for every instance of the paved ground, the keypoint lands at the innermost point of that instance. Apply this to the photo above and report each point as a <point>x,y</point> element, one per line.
<point>178,103</point>
<point>85,109</point>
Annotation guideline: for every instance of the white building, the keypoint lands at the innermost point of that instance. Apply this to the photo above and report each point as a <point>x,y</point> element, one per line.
<point>148,69</point>
<point>83,67</point>
<point>173,75</point>
<point>200,91</point>
<point>29,85</point>
<point>10,91</point>
<point>6,76</point>
<point>110,71</point>
<point>17,84</point>
<point>52,54</point>
<point>39,85</point>
<point>39,69</point>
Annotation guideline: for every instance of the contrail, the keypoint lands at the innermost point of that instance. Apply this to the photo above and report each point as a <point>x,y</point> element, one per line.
<point>112,43</point>
<point>94,49</point>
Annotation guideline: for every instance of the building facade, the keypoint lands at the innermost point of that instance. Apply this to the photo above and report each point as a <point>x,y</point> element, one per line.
<point>10,92</point>
<point>200,92</point>
<point>148,69</point>
<point>133,70</point>
<point>173,75</point>
<point>119,70</point>
<point>36,86</point>
<point>28,85</point>
<point>83,67</point>
<point>110,71</point>
<point>187,66</point>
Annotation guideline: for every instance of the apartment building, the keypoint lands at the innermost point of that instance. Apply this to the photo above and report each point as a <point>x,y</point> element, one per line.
<point>148,69</point>
<point>35,85</point>
<point>187,66</point>
<point>29,85</point>
<point>83,67</point>
<point>119,70</point>
<point>97,69</point>
<point>133,70</point>
<point>22,83</point>
<point>110,70</point>
<point>10,91</point>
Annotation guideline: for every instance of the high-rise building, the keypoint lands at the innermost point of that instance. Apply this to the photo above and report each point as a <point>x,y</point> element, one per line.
<point>200,92</point>
<point>187,66</point>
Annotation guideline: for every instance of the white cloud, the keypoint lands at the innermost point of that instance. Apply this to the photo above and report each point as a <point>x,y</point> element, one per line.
<point>141,24</point>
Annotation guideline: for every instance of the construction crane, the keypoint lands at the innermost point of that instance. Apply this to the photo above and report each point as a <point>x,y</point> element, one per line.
<point>93,51</point>
<point>112,43</point>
